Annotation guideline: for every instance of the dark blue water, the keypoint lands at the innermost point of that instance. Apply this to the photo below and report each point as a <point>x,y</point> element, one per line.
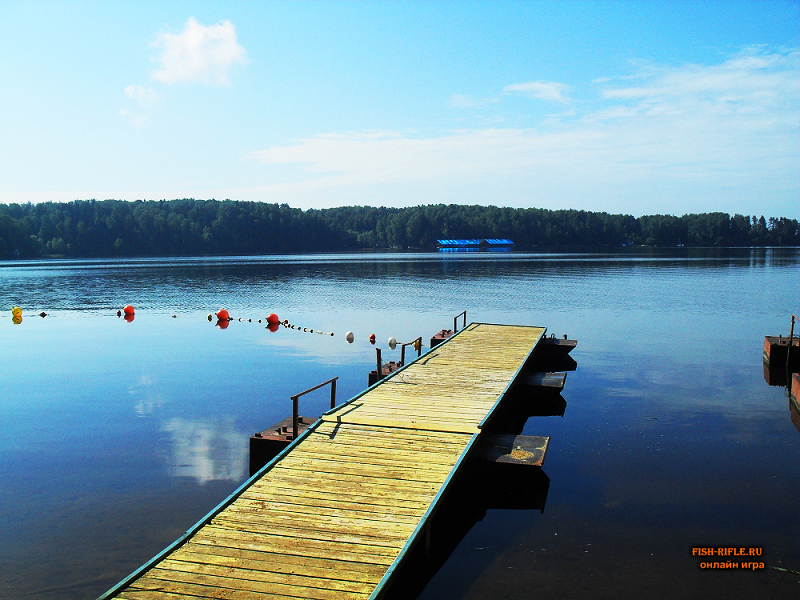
<point>117,436</point>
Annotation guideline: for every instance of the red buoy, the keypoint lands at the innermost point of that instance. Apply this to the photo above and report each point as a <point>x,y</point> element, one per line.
<point>223,323</point>
<point>372,338</point>
<point>129,317</point>
<point>128,310</point>
<point>273,318</point>
<point>223,315</point>
<point>273,327</point>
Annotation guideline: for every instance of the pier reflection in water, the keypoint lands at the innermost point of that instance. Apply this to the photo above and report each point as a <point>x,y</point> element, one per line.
<point>479,488</point>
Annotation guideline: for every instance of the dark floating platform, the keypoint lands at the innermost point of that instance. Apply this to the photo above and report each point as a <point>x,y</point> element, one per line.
<point>781,358</point>
<point>524,450</point>
<point>553,347</point>
<point>438,338</point>
<point>548,382</point>
<point>386,370</point>
<point>266,445</point>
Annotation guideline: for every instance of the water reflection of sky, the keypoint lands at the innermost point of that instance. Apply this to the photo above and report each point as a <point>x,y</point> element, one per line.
<point>205,450</point>
<point>133,431</point>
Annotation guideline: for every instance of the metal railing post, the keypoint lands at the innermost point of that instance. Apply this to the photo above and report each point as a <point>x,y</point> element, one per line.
<point>380,369</point>
<point>296,402</point>
<point>295,412</point>
<point>455,321</point>
<point>789,354</point>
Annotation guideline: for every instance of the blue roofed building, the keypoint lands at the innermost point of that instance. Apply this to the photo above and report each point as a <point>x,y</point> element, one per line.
<point>476,244</point>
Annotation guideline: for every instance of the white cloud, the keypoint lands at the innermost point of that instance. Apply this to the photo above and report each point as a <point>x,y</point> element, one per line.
<point>544,90</point>
<point>199,53</point>
<point>135,120</point>
<point>690,138</point>
<point>461,101</point>
<point>145,97</point>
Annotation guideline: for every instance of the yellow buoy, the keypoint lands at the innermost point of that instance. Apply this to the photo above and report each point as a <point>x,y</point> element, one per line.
<point>16,311</point>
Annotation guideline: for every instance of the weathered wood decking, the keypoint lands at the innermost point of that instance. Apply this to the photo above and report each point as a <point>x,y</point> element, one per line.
<point>334,514</point>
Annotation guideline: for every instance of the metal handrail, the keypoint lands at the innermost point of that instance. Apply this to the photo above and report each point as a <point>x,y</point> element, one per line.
<point>417,346</point>
<point>455,321</point>
<point>296,402</point>
<point>789,352</point>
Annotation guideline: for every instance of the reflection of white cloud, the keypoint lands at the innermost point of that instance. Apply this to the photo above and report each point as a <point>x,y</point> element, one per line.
<point>199,53</point>
<point>149,398</point>
<point>205,450</point>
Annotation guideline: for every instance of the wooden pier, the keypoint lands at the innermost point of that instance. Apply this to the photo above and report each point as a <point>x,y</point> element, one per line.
<point>334,514</point>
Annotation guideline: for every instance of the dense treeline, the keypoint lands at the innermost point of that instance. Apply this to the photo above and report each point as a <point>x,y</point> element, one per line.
<point>204,227</point>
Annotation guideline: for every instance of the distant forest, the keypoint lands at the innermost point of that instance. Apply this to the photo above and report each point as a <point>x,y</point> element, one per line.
<point>89,228</point>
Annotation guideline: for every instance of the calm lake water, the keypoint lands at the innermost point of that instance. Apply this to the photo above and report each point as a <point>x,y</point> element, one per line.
<point>118,436</point>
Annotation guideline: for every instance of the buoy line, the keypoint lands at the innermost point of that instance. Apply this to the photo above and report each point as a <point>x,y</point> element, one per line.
<point>224,318</point>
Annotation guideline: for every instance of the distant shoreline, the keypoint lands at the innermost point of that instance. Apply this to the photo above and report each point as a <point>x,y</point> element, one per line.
<point>188,227</point>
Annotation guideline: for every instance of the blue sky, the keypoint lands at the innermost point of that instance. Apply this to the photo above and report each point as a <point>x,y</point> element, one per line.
<point>632,107</point>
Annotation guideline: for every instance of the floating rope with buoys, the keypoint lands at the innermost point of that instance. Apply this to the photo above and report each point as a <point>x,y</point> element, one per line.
<point>224,318</point>
<point>288,325</point>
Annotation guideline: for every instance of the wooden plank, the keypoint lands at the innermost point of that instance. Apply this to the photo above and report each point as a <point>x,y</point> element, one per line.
<point>356,431</point>
<point>330,480</point>
<point>321,512</point>
<point>354,447</point>
<point>297,463</point>
<point>310,531</point>
<point>407,500</point>
<point>379,457</point>
<point>280,562</point>
<point>256,507</point>
<point>176,581</point>
<point>248,575</point>
<point>419,425</point>
<point>282,521</point>
<point>140,594</point>
<point>310,486</point>
<point>319,549</point>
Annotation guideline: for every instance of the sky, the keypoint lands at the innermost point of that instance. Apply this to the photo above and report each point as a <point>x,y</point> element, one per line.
<point>625,107</point>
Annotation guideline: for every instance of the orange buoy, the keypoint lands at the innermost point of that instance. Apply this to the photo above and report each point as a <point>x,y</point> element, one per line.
<point>273,327</point>
<point>128,310</point>
<point>223,315</point>
<point>273,318</point>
